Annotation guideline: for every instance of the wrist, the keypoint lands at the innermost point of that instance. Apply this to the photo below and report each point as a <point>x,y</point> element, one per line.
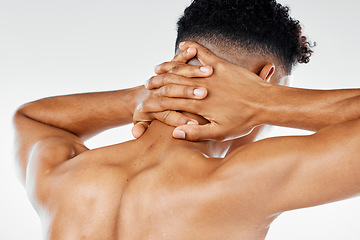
<point>287,106</point>
<point>270,104</point>
<point>133,98</point>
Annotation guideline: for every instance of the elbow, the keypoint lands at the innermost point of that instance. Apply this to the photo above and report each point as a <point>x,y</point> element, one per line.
<point>19,114</point>
<point>21,111</point>
<point>20,126</point>
<point>22,114</point>
<point>18,119</point>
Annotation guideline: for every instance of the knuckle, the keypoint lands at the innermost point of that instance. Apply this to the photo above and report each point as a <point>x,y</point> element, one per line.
<point>151,81</point>
<point>162,102</point>
<point>195,69</point>
<point>148,105</point>
<point>161,83</point>
<point>165,79</point>
<point>165,116</point>
<point>181,119</point>
<point>150,95</point>
<point>175,69</point>
<point>193,135</point>
<point>154,93</point>
<point>170,78</point>
<point>162,91</point>
<point>188,91</point>
<point>166,90</point>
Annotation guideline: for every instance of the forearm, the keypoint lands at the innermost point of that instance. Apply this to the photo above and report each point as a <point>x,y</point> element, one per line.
<point>310,109</point>
<point>85,115</point>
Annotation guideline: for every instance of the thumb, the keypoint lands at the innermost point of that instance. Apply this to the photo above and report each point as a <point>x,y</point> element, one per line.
<point>195,132</point>
<point>139,129</point>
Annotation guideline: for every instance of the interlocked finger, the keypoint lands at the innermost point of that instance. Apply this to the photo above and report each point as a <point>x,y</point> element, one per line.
<point>180,91</point>
<point>196,132</point>
<point>181,58</point>
<point>185,55</point>
<point>174,118</point>
<point>166,67</point>
<point>160,104</point>
<point>185,70</point>
<point>192,71</point>
<point>169,78</point>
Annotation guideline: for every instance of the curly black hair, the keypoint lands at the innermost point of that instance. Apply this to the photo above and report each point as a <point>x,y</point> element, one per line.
<point>262,26</point>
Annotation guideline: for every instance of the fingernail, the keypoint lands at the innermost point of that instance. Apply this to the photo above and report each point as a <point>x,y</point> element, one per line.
<point>146,84</point>
<point>199,92</point>
<point>192,122</point>
<point>205,69</point>
<point>157,68</point>
<point>188,50</point>
<point>179,134</point>
<point>181,44</point>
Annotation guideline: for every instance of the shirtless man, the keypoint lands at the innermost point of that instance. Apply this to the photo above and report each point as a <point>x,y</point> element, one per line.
<point>160,187</point>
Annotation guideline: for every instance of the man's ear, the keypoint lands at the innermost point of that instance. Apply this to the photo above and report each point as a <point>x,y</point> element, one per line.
<point>267,72</point>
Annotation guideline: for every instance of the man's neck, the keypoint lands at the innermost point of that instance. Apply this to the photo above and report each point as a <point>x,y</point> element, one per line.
<point>159,137</point>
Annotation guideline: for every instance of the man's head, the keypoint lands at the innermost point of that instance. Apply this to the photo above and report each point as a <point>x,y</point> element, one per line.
<point>244,31</point>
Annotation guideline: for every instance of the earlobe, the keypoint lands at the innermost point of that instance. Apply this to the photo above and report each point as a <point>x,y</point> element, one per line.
<point>267,72</point>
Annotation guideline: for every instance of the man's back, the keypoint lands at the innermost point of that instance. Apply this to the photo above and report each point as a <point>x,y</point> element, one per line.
<point>151,188</point>
<point>158,187</point>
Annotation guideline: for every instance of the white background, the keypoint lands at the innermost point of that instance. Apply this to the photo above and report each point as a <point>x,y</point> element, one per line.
<point>50,47</point>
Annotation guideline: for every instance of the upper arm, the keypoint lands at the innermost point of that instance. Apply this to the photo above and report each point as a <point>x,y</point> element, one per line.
<point>42,146</point>
<point>294,172</point>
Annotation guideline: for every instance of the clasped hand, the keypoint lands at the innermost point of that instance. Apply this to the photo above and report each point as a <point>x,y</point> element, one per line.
<point>229,97</point>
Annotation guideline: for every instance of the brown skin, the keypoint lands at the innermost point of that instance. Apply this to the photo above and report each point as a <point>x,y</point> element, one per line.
<point>170,117</point>
<point>159,187</point>
<point>261,100</point>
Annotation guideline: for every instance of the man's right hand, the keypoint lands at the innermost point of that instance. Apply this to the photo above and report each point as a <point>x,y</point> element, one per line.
<point>235,98</point>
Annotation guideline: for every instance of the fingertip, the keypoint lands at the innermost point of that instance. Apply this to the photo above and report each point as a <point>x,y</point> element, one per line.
<point>192,122</point>
<point>182,46</point>
<point>200,93</point>
<point>179,134</point>
<point>186,44</point>
<point>157,69</point>
<point>206,70</point>
<point>191,51</point>
<point>138,130</point>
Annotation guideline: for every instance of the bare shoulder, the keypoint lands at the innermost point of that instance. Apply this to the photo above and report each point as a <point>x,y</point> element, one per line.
<point>87,176</point>
<point>257,173</point>
<point>46,156</point>
<point>287,173</point>
<point>266,153</point>
<point>55,155</point>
